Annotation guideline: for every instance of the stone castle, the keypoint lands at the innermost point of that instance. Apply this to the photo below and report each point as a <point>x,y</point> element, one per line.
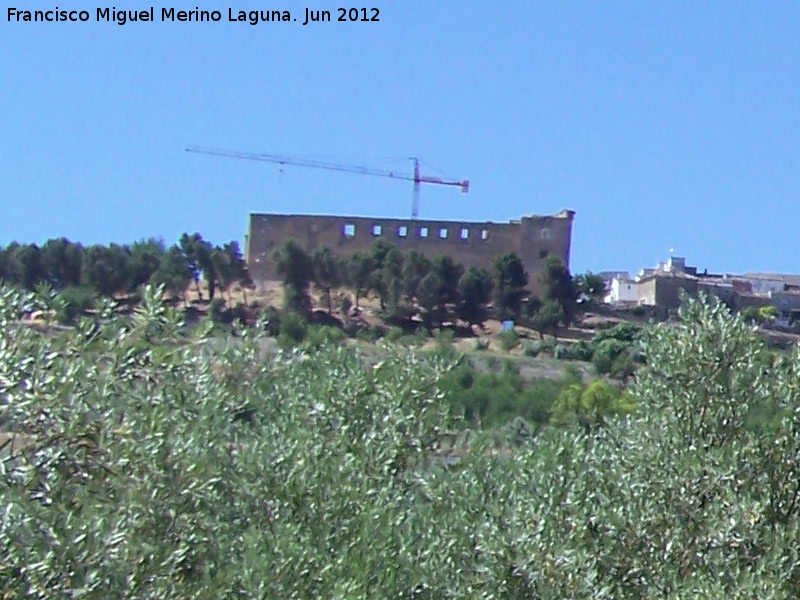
<point>533,238</point>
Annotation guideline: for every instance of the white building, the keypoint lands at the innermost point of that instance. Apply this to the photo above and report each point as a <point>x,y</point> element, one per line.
<point>622,289</point>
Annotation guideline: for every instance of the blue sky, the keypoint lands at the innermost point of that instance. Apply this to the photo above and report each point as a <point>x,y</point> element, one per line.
<point>663,125</point>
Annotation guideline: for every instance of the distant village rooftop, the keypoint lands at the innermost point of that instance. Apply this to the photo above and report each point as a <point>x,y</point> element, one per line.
<point>662,285</point>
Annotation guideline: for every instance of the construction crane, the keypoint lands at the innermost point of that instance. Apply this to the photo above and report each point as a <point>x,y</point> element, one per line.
<point>417,177</point>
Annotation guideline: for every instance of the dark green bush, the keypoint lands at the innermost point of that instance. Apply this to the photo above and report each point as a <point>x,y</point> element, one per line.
<point>271,320</point>
<point>534,349</point>
<point>320,336</point>
<point>624,332</point>
<point>606,352</point>
<point>217,312</point>
<point>580,350</point>
<point>394,334</point>
<point>508,340</point>
<point>370,333</point>
<point>73,302</point>
<point>293,329</point>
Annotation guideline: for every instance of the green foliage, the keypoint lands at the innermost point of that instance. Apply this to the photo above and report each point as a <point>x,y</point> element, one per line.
<point>145,261</point>
<point>449,273</point>
<point>296,267</point>
<point>370,333</point>
<point>394,334</point>
<point>750,314</point>
<point>347,304</point>
<point>444,338</point>
<point>496,399</point>
<point>198,253</point>
<point>62,261</point>
<point>107,269</point>
<point>400,316</point>
<point>590,405</point>
<point>510,281</point>
<point>534,349</point>
<point>173,272</point>
<point>624,332</point>
<point>386,278</point>
<point>592,285</point>
<point>360,269</point>
<point>216,311</point>
<point>270,320</point>
<point>475,291</point>
<point>416,267</point>
<point>73,302</point>
<point>508,340</point>
<point>481,344</point>
<point>162,467</point>
<point>322,336</point>
<point>768,313</point>
<point>229,269</point>
<point>559,287</point>
<point>580,350</point>
<point>547,318</point>
<point>429,297</point>
<point>606,352</point>
<point>327,274</point>
<point>293,330</point>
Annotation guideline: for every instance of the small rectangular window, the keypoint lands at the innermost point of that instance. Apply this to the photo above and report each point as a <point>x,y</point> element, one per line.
<point>402,231</point>
<point>465,234</point>
<point>543,254</point>
<point>377,230</point>
<point>443,233</point>
<point>484,234</point>
<point>349,230</point>
<point>423,232</point>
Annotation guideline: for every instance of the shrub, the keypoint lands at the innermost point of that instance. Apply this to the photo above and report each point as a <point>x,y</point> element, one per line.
<point>293,329</point>
<point>534,349</point>
<point>444,338</point>
<point>624,332</point>
<point>623,366</point>
<point>606,353</point>
<point>574,351</point>
<point>750,314</point>
<point>217,312</point>
<point>173,470</point>
<point>394,334</point>
<point>239,313</point>
<point>370,333</point>
<point>320,336</point>
<point>768,313</point>
<point>73,302</point>
<point>638,311</point>
<point>346,304</point>
<point>400,316</point>
<point>481,344</point>
<point>508,340</point>
<point>271,320</point>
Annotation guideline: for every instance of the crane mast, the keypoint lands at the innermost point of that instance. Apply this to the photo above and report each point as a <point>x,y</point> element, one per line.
<point>417,177</point>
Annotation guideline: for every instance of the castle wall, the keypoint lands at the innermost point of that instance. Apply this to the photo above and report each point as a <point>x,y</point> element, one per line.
<point>532,238</point>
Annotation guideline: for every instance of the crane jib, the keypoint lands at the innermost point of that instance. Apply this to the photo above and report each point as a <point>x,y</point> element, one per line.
<point>417,178</point>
